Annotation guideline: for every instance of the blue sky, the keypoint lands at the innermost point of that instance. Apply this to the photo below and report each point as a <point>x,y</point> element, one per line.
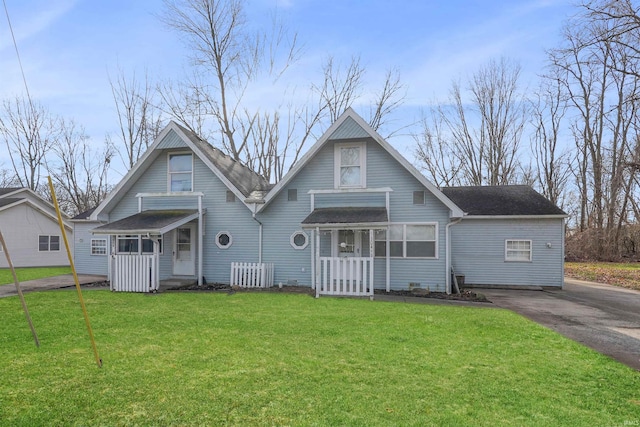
<point>68,47</point>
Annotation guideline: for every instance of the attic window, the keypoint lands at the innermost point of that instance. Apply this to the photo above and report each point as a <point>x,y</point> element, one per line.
<point>180,172</point>
<point>292,195</point>
<point>418,197</point>
<point>350,165</point>
<point>230,196</point>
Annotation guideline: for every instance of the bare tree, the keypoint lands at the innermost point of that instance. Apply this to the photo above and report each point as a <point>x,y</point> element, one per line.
<point>229,58</point>
<point>28,131</point>
<point>547,111</point>
<point>434,154</point>
<point>485,131</point>
<point>138,118</point>
<point>79,172</point>
<point>8,179</point>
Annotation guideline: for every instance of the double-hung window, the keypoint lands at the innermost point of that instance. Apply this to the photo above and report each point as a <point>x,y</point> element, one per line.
<point>180,172</point>
<point>517,250</point>
<point>132,244</point>
<point>408,241</point>
<point>48,243</point>
<point>350,165</point>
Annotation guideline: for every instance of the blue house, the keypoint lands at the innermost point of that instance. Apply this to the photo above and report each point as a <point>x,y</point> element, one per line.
<point>351,216</point>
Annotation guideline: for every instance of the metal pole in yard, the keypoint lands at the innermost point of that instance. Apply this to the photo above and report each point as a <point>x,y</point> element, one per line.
<point>75,275</point>
<point>15,280</point>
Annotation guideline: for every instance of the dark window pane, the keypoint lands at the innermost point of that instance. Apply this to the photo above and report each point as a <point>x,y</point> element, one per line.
<point>292,195</point>
<point>43,243</point>
<point>224,239</point>
<point>299,240</point>
<point>421,249</point>
<point>380,248</point>
<point>231,197</point>
<point>418,197</point>
<point>54,243</point>
<point>396,249</point>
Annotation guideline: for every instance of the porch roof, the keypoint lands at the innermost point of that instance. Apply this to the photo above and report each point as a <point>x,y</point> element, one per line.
<point>155,222</point>
<point>347,216</point>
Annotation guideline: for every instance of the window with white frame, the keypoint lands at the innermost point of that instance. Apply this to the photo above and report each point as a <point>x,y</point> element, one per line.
<point>408,241</point>
<point>180,172</point>
<point>98,246</point>
<point>135,244</point>
<point>127,244</point>
<point>517,250</point>
<point>299,240</point>
<point>48,243</point>
<point>224,239</point>
<point>350,165</point>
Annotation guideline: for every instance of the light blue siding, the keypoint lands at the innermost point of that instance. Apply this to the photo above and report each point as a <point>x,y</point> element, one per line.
<point>349,129</point>
<point>171,140</point>
<point>233,217</point>
<point>478,251</point>
<point>84,262</point>
<point>282,218</point>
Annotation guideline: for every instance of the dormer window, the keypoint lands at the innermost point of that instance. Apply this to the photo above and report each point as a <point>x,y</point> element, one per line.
<point>180,172</point>
<point>350,165</point>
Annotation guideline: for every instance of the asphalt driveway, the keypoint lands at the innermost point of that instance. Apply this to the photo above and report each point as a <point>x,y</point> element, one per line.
<point>605,318</point>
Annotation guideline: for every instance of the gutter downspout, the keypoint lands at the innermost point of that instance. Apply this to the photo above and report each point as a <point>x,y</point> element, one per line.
<point>448,255</point>
<point>259,233</point>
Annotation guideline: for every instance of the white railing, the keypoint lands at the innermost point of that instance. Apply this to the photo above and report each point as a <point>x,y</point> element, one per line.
<point>252,274</point>
<point>345,276</point>
<point>134,273</point>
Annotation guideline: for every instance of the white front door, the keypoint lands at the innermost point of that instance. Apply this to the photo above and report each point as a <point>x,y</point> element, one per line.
<point>184,251</point>
<point>347,243</point>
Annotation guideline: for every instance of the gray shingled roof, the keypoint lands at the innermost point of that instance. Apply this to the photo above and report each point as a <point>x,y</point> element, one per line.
<point>85,214</point>
<point>7,190</point>
<point>238,174</point>
<point>154,222</point>
<point>346,215</point>
<point>501,200</point>
<point>9,200</point>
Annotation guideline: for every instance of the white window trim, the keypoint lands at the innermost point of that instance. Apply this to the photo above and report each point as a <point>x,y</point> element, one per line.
<point>507,259</point>
<point>293,244</point>
<point>221,246</point>
<point>404,241</point>
<point>133,237</point>
<point>363,163</point>
<point>177,153</point>
<point>91,248</point>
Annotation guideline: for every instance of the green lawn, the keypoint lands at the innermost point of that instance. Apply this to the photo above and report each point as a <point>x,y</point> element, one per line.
<point>31,273</point>
<point>289,359</point>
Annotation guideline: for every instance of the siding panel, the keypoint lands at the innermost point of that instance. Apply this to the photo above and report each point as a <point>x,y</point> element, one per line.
<point>478,252</point>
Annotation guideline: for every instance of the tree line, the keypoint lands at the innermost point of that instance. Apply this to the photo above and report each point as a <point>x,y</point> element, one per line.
<point>575,139</point>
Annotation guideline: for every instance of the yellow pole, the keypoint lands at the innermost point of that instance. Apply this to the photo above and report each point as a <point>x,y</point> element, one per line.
<point>15,280</point>
<point>75,275</point>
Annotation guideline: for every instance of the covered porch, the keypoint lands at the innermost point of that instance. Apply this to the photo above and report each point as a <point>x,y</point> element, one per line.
<point>138,242</point>
<point>343,243</point>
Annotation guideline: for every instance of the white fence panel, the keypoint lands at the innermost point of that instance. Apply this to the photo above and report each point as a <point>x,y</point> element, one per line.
<point>345,276</point>
<point>252,274</point>
<point>134,273</point>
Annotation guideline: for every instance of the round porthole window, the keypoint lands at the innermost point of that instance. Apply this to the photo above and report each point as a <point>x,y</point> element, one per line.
<point>224,239</point>
<point>299,240</point>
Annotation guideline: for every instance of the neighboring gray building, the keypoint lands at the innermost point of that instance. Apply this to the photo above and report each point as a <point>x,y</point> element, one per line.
<point>351,215</point>
<point>29,225</point>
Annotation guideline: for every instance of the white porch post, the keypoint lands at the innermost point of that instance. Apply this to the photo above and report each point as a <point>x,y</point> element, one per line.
<point>317,272</point>
<point>388,261</point>
<point>371,257</point>
<point>156,258</point>
<point>313,259</point>
<point>200,233</point>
